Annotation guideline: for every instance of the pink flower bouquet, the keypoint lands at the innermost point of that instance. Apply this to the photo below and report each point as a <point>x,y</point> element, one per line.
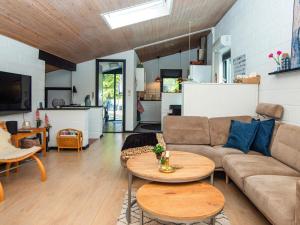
<point>276,58</point>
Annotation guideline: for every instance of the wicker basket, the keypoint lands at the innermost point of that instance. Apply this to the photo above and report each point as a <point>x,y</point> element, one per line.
<point>69,139</point>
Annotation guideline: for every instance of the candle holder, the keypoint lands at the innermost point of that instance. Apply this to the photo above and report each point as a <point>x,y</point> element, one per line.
<point>165,164</point>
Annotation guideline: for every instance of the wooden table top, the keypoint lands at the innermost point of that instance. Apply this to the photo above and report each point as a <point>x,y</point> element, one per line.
<point>180,203</point>
<point>194,167</point>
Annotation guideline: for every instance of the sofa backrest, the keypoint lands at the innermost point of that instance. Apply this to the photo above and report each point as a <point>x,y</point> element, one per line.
<point>219,128</point>
<point>192,130</point>
<point>286,146</point>
<point>276,127</point>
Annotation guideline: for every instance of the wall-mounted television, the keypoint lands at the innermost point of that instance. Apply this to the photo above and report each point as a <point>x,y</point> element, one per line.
<point>15,93</point>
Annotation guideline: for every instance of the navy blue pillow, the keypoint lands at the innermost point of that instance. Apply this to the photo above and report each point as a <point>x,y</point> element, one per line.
<point>263,136</point>
<point>241,135</point>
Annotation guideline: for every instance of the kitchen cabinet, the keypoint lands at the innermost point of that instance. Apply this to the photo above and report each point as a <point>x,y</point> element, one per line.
<point>152,110</point>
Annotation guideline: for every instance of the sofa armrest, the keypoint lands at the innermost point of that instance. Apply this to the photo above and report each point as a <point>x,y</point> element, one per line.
<point>297,212</point>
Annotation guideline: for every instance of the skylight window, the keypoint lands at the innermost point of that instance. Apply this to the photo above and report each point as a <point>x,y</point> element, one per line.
<point>138,13</point>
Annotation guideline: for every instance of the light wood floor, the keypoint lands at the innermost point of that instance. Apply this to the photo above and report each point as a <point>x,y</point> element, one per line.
<point>87,189</point>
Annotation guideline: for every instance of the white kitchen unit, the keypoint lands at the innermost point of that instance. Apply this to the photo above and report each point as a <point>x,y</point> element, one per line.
<point>140,79</point>
<point>201,73</point>
<point>215,100</point>
<point>152,111</point>
<point>95,122</point>
<point>168,99</point>
<point>86,119</point>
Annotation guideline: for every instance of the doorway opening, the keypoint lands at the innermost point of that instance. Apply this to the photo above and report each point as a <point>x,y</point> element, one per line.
<point>227,73</point>
<point>110,87</point>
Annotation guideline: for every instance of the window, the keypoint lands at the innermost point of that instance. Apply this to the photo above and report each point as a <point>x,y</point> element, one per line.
<point>138,13</point>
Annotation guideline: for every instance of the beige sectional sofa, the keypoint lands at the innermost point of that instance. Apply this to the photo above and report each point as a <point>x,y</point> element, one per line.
<point>271,183</point>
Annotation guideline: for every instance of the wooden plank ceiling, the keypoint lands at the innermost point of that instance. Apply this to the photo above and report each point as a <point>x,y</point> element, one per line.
<point>75,31</point>
<point>169,47</point>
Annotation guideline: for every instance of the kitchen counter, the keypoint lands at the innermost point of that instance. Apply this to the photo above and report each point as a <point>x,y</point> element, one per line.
<point>72,108</point>
<point>65,108</point>
<point>167,100</point>
<point>86,119</point>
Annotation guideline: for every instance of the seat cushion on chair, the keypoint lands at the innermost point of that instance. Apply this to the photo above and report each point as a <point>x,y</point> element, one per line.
<point>275,196</point>
<point>18,153</point>
<point>238,167</point>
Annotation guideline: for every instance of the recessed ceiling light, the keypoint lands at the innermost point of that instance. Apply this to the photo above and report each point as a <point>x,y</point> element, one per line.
<point>138,13</point>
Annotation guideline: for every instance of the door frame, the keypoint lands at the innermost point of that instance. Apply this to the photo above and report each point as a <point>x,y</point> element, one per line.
<point>98,61</point>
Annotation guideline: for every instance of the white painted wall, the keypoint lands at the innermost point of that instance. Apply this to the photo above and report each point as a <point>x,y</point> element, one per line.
<point>59,78</point>
<point>223,100</point>
<point>258,28</point>
<point>16,57</point>
<point>169,62</point>
<point>84,80</point>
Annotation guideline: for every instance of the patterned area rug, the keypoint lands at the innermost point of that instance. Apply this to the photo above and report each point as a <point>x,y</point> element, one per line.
<point>221,219</point>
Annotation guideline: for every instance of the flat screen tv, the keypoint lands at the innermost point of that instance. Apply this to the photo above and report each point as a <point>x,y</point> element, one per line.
<point>15,93</point>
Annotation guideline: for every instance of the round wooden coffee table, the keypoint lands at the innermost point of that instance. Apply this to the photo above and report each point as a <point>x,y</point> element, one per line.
<point>180,203</point>
<point>194,168</point>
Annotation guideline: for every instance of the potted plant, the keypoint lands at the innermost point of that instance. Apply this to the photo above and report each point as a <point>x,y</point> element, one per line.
<point>158,151</point>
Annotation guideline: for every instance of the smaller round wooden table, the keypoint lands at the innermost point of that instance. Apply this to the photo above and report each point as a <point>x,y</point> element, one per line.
<point>180,203</point>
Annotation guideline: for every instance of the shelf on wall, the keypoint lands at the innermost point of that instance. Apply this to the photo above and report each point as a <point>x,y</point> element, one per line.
<point>285,71</point>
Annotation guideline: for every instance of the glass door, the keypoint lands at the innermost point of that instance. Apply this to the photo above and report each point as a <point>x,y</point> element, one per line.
<point>110,83</point>
<point>113,96</point>
<point>118,110</point>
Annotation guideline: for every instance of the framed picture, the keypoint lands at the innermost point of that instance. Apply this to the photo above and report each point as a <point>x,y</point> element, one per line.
<point>295,58</point>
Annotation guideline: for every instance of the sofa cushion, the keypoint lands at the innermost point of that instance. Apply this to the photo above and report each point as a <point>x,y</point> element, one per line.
<point>219,128</point>
<point>286,146</point>
<point>241,135</point>
<point>270,110</point>
<point>204,150</point>
<point>297,211</point>
<point>215,153</point>
<point>263,137</point>
<point>238,167</point>
<point>192,130</point>
<point>274,196</point>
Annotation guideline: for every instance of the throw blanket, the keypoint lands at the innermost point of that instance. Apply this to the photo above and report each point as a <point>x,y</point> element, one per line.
<point>136,144</point>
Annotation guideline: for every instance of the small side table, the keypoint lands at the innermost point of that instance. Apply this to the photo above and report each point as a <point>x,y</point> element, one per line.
<point>16,138</point>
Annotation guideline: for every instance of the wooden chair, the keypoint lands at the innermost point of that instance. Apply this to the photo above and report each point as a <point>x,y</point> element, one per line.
<point>66,141</point>
<point>20,156</point>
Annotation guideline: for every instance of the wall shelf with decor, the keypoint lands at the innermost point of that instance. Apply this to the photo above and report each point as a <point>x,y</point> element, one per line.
<point>285,71</point>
